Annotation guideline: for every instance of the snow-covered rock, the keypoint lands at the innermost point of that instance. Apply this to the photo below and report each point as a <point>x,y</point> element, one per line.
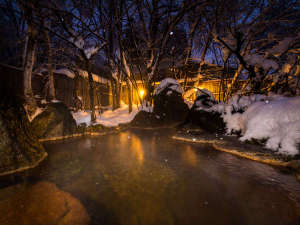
<point>205,114</point>
<point>169,83</point>
<point>204,100</point>
<point>275,119</point>
<point>169,105</point>
<point>55,121</point>
<point>19,145</point>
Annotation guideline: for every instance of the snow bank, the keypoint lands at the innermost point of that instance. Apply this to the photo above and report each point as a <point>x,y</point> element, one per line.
<point>168,83</point>
<point>273,118</point>
<point>243,102</point>
<point>82,117</point>
<point>278,121</point>
<point>110,118</point>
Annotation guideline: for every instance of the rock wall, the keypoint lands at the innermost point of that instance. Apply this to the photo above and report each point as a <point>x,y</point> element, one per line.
<point>19,146</point>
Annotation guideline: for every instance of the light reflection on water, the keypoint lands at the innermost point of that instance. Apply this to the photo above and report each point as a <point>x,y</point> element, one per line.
<point>189,156</point>
<point>146,178</point>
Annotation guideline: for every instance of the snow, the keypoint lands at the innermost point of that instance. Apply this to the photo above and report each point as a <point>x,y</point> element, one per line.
<point>78,42</point>
<point>239,102</point>
<point>169,93</point>
<point>96,78</point>
<point>168,83</point>
<point>278,121</point>
<point>36,113</point>
<point>82,117</point>
<point>273,118</point>
<point>205,100</point>
<point>83,73</point>
<point>110,118</point>
<point>90,51</point>
<point>204,91</point>
<point>66,72</point>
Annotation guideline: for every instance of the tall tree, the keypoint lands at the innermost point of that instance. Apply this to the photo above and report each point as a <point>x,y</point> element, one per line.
<point>29,53</point>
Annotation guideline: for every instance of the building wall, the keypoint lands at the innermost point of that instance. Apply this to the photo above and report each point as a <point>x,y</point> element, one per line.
<point>212,85</point>
<point>11,83</point>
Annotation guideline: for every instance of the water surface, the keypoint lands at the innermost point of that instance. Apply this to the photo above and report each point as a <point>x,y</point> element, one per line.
<point>146,178</point>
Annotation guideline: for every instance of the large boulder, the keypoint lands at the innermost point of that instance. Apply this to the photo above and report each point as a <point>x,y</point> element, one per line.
<point>19,146</point>
<point>55,121</point>
<point>169,106</point>
<point>204,115</point>
<point>145,119</point>
<point>40,204</point>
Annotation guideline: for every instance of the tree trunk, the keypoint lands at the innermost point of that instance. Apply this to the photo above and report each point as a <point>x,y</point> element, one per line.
<point>129,86</point>
<point>91,91</point>
<point>27,74</point>
<point>128,82</point>
<point>202,58</point>
<point>113,91</point>
<point>206,45</point>
<point>118,95</point>
<point>234,79</point>
<point>51,87</point>
<point>189,50</point>
<point>25,51</point>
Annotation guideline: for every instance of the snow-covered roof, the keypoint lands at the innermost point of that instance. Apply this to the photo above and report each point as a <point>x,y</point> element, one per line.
<point>96,78</point>
<point>66,72</point>
<point>71,74</point>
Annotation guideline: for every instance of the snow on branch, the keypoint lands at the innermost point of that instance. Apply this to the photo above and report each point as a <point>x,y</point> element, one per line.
<point>260,60</point>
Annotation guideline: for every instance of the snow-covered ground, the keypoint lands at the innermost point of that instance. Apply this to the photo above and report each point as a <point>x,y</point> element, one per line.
<point>110,118</point>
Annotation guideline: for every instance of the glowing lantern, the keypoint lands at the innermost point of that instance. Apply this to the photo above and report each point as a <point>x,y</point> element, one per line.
<point>142,93</point>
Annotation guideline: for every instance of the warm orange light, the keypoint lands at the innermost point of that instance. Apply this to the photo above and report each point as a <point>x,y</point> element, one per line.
<point>142,93</point>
